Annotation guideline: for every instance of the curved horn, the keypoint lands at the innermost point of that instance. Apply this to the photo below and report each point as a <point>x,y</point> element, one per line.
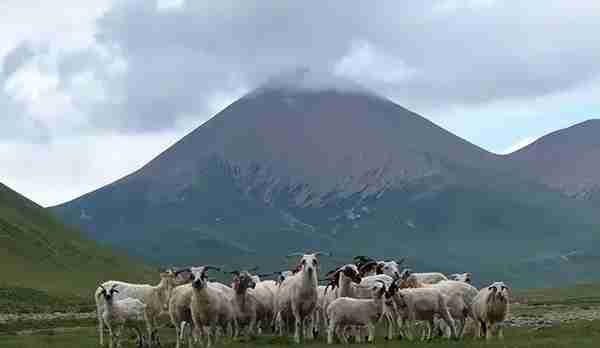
<point>177,272</point>
<point>266,274</point>
<point>295,254</point>
<point>365,267</point>
<point>209,267</point>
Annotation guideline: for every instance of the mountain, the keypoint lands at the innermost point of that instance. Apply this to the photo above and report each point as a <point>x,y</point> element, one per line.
<point>567,160</point>
<point>289,168</point>
<point>40,255</point>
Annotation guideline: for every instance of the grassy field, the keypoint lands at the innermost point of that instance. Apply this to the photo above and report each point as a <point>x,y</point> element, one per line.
<point>579,334</point>
<point>539,303</point>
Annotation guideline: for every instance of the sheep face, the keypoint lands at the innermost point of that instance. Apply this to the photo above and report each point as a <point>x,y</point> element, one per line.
<point>499,292</point>
<point>199,277</point>
<point>391,268</point>
<point>378,290</point>
<point>309,263</point>
<point>243,281</point>
<point>108,294</point>
<point>351,271</point>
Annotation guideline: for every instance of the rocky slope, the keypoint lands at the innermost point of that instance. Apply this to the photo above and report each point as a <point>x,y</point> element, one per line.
<point>287,168</point>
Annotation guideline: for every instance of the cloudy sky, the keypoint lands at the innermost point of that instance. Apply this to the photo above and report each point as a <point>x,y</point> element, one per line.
<point>91,90</point>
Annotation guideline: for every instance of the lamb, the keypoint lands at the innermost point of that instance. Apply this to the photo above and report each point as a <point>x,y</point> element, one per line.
<point>156,298</point>
<point>297,296</point>
<point>461,277</point>
<point>209,307</point>
<point>346,311</point>
<point>117,314</point>
<point>490,309</point>
<point>420,304</point>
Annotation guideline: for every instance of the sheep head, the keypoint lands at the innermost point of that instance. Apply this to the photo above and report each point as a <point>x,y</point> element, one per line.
<point>108,294</point>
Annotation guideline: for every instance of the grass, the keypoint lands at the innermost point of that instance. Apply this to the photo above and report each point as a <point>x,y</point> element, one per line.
<point>47,265</point>
<point>579,334</point>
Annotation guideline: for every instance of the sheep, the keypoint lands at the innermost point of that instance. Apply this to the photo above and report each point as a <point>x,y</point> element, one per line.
<point>461,277</point>
<point>265,292</point>
<point>156,298</point>
<point>297,296</point>
<point>420,304</point>
<point>179,311</point>
<point>245,305</point>
<point>209,307</point>
<point>490,309</point>
<point>460,308</point>
<point>345,311</point>
<point>116,314</point>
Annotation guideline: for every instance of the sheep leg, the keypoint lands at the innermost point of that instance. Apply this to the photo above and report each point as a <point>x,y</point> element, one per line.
<point>110,336</point>
<point>447,318</point>
<point>298,326</point>
<point>309,327</point>
<point>330,332</point>
<point>484,329</point>
<point>371,327</point>
<point>100,326</point>
<point>207,333</point>
<point>500,331</point>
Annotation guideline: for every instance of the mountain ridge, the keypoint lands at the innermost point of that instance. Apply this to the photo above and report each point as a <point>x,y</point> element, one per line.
<point>282,169</point>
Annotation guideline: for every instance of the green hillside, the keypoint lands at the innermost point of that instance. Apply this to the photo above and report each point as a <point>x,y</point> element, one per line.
<point>42,261</point>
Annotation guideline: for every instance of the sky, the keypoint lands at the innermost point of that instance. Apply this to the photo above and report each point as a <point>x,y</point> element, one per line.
<point>92,90</point>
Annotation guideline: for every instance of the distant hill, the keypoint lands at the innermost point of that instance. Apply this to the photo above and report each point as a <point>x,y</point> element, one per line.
<point>287,167</point>
<point>567,160</point>
<point>40,253</point>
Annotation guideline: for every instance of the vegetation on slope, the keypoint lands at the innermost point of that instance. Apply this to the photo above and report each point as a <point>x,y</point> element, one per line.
<point>45,264</point>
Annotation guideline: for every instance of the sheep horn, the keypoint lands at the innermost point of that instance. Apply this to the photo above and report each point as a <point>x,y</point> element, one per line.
<point>177,272</point>
<point>365,267</point>
<point>209,267</point>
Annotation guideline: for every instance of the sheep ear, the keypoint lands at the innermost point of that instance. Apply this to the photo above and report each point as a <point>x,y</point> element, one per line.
<point>492,288</point>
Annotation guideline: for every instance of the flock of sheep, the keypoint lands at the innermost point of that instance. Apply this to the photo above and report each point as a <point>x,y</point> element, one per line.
<point>354,299</point>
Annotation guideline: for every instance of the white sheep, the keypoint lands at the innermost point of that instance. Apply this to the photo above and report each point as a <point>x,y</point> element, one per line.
<point>453,290</point>
<point>156,298</point>
<point>297,296</point>
<point>180,312</point>
<point>210,307</point>
<point>118,313</point>
<point>421,304</point>
<point>265,292</point>
<point>244,303</point>
<point>346,311</point>
<point>490,309</point>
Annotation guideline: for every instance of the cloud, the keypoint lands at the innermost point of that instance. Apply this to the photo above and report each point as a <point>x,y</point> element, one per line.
<point>138,68</point>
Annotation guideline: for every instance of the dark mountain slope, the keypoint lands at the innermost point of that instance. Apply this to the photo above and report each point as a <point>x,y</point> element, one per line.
<point>567,160</point>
